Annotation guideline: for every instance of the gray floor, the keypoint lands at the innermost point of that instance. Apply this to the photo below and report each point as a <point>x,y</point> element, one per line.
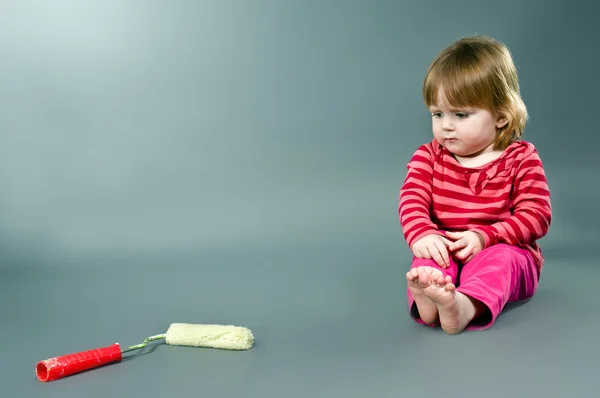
<point>136,125</point>
<point>325,325</point>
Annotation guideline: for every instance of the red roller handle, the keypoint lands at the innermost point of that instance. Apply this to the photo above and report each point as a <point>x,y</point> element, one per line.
<point>59,367</point>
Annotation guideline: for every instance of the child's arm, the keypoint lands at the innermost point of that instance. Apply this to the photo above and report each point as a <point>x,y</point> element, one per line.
<point>531,212</point>
<point>415,198</point>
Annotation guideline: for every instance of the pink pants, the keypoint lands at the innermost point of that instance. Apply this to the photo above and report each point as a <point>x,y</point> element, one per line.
<point>495,276</point>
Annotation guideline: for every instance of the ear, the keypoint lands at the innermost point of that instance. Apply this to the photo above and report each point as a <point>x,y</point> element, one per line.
<point>502,119</point>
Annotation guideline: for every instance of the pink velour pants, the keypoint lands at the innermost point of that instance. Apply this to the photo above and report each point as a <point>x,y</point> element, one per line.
<point>496,276</point>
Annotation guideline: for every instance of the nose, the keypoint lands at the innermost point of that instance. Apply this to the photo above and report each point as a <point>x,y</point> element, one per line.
<point>447,124</point>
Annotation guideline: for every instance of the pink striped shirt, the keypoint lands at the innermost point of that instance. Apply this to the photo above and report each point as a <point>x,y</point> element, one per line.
<point>506,200</point>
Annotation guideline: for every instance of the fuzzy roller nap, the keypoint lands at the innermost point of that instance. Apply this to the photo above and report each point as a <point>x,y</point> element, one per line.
<point>226,337</point>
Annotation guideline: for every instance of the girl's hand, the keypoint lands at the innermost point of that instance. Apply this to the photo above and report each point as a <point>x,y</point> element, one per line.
<point>433,246</point>
<point>470,243</point>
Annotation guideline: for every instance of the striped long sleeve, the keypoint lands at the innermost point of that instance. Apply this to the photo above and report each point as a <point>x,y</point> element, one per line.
<point>531,208</point>
<point>506,200</point>
<point>415,198</point>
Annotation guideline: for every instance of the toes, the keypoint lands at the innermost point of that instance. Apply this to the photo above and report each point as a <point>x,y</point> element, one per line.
<point>411,275</point>
<point>438,278</point>
<point>424,278</point>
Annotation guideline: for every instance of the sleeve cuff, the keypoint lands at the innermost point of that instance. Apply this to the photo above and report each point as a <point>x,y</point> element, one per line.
<point>488,236</point>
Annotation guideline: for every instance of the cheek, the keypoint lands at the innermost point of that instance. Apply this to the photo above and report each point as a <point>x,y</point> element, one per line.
<point>473,131</point>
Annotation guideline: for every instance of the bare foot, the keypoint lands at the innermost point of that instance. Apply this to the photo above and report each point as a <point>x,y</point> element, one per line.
<point>455,309</point>
<point>418,279</point>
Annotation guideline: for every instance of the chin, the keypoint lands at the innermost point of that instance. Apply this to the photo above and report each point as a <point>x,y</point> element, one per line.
<point>452,146</point>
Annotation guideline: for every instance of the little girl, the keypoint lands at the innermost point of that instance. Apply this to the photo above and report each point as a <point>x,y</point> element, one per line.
<point>475,199</point>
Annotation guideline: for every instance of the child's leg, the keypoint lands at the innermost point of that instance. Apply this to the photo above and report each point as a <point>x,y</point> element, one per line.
<point>420,307</point>
<point>496,276</point>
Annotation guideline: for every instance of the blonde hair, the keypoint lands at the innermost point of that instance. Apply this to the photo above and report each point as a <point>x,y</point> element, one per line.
<point>479,71</point>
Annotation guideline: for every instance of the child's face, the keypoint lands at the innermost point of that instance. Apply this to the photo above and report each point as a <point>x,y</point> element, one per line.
<point>465,132</point>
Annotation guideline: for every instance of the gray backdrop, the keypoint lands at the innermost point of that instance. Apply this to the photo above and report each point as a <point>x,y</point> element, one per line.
<point>240,162</point>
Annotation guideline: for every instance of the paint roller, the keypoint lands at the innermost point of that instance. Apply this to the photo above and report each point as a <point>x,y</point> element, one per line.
<point>228,337</point>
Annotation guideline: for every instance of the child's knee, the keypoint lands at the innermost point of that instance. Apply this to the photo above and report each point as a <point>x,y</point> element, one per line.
<point>424,262</point>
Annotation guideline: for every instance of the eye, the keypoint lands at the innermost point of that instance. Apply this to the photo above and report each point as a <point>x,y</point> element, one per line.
<point>461,115</point>
<point>436,114</point>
